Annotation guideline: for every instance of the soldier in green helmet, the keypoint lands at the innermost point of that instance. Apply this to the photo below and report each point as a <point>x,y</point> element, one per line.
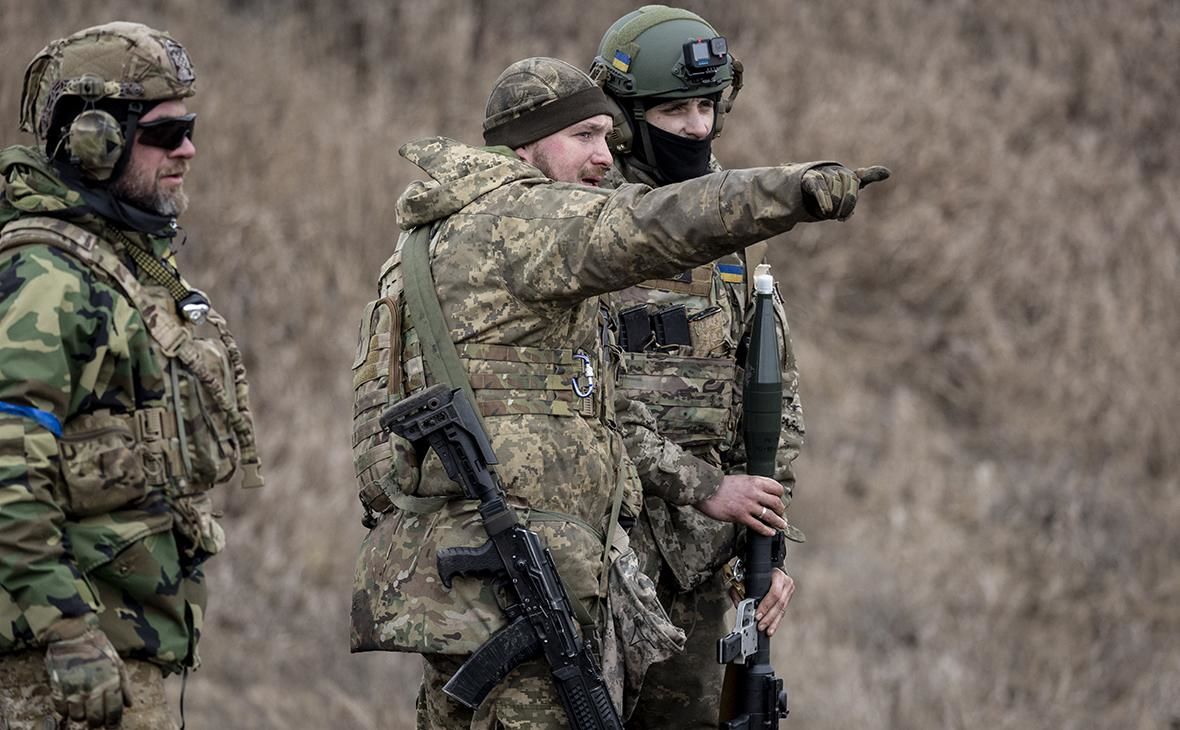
<point>669,71</point>
<point>123,398</point>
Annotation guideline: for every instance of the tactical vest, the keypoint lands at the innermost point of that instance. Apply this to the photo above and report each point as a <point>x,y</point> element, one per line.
<point>200,436</point>
<point>505,380</point>
<point>687,374</point>
<point>686,369</point>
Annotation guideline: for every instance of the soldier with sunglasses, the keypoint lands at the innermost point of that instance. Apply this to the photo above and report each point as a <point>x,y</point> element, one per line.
<point>123,398</point>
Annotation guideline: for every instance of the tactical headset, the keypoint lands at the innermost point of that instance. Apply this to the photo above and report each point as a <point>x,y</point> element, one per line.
<point>83,95</point>
<point>95,141</point>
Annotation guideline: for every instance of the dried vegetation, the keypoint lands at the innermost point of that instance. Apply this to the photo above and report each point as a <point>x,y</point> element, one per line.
<point>987,346</point>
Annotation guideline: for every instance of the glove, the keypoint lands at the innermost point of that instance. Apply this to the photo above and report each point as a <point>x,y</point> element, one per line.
<point>829,191</point>
<point>87,680</point>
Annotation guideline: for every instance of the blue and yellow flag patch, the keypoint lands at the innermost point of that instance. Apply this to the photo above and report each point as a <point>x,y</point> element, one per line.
<point>732,273</point>
<point>621,61</point>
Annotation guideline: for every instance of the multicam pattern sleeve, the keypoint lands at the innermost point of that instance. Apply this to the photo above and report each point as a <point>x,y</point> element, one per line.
<point>666,470</point>
<point>49,332</point>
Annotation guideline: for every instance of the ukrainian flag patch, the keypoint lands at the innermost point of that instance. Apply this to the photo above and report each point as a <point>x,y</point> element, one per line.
<point>621,61</point>
<point>732,273</point>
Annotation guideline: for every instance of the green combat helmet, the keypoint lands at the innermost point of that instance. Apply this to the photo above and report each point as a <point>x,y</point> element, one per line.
<point>84,95</point>
<point>662,53</point>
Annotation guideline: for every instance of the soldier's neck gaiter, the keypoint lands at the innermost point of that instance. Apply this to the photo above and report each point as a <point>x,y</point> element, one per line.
<point>122,213</point>
<point>679,158</point>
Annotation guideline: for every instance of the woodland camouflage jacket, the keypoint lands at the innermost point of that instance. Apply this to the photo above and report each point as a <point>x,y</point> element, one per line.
<point>694,394</point>
<point>518,261</point>
<point>103,511</point>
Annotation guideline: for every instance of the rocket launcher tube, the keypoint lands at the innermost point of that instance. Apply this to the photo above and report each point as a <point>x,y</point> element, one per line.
<point>763,388</point>
<point>761,701</point>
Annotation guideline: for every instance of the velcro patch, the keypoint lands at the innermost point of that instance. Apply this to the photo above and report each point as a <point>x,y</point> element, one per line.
<point>732,273</point>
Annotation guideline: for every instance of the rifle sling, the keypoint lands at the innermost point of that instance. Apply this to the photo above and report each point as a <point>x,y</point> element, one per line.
<point>442,361</point>
<point>426,315</point>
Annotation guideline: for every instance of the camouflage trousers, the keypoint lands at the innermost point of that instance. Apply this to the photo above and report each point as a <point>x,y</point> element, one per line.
<point>25,703</point>
<point>525,700</point>
<point>685,691</point>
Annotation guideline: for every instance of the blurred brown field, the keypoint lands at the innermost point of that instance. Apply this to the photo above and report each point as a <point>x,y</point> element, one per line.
<point>988,348</point>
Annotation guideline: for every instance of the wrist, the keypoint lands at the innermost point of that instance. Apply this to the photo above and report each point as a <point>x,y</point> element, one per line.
<point>70,627</point>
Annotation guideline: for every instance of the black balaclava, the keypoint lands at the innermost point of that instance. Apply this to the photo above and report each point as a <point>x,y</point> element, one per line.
<point>675,158</point>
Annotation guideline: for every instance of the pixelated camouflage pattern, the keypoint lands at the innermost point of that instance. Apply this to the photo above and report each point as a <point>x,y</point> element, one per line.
<point>88,523</point>
<point>518,260</point>
<point>26,703</point>
<point>633,639</point>
<point>684,691</point>
<point>130,60</point>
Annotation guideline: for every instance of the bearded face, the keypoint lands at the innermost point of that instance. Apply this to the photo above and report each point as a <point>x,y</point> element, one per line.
<point>159,189</point>
<point>154,176</point>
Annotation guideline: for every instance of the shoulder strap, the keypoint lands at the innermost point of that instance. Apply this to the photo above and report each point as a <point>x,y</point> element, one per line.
<point>174,339</point>
<point>84,246</point>
<point>438,350</point>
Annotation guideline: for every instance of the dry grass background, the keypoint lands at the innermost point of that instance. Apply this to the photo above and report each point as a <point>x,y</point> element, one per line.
<point>988,346</point>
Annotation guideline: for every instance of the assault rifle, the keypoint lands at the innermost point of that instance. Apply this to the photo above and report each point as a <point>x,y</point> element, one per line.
<point>761,700</point>
<point>540,620</point>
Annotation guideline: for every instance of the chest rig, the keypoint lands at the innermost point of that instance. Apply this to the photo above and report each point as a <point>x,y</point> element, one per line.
<point>679,338</point>
<point>202,431</point>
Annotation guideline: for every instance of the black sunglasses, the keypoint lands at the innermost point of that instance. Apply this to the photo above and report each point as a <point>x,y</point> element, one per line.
<point>167,132</point>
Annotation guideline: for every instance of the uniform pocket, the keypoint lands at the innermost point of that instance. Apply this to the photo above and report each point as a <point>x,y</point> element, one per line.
<point>101,464</point>
<point>709,331</point>
<point>211,446</point>
<point>200,536</point>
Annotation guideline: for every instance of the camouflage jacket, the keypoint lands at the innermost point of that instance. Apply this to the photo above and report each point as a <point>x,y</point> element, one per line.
<point>107,444</point>
<point>694,393</point>
<point>518,261</point>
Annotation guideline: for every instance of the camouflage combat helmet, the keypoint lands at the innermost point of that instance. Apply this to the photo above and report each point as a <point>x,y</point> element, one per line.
<point>118,69</point>
<point>538,96</point>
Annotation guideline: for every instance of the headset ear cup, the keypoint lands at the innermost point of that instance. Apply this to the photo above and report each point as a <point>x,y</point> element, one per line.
<point>619,139</point>
<point>95,143</point>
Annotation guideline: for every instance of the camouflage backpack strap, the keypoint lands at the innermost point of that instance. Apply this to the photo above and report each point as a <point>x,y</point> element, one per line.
<point>172,337</point>
<point>425,311</point>
<point>241,417</point>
